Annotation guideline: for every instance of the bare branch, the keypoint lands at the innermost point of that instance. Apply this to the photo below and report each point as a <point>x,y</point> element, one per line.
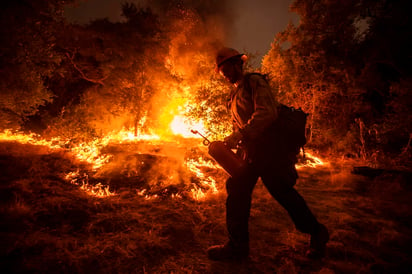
<point>83,75</point>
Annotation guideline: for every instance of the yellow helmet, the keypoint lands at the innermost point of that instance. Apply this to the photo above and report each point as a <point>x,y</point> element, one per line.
<point>225,54</point>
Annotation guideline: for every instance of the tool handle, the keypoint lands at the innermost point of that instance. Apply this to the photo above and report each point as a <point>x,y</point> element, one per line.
<point>206,142</point>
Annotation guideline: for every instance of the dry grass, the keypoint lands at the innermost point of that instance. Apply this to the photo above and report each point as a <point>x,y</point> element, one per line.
<point>51,226</point>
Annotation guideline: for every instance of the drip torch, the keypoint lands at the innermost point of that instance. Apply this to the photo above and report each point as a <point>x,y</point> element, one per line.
<point>224,156</point>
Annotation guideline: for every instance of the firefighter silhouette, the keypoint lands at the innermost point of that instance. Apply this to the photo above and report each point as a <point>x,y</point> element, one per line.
<point>254,112</point>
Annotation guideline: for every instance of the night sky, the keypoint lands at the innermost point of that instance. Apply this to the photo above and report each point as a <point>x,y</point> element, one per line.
<point>254,23</point>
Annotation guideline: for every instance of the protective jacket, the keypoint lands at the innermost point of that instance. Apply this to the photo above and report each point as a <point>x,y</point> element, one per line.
<point>254,110</point>
<point>253,106</point>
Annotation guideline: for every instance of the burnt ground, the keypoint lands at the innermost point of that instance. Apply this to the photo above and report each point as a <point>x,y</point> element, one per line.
<point>51,226</point>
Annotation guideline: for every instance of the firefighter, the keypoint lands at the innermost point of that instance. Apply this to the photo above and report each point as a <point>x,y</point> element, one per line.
<point>254,111</point>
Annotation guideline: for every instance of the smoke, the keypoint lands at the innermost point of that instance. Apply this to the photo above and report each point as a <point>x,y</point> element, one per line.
<point>195,30</point>
<point>153,74</point>
<point>194,26</point>
<point>206,9</point>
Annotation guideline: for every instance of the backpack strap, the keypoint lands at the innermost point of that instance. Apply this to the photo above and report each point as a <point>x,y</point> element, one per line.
<point>246,79</point>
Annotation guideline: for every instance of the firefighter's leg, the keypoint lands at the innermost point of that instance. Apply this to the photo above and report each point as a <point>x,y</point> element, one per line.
<point>281,187</point>
<point>280,184</point>
<point>239,195</point>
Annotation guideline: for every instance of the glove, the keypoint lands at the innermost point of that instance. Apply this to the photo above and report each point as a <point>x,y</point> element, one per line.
<point>233,139</point>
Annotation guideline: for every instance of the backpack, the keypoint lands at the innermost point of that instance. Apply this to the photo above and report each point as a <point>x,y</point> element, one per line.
<point>291,123</point>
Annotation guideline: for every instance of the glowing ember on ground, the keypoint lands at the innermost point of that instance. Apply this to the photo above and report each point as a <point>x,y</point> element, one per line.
<point>207,181</point>
<point>143,194</point>
<point>198,194</point>
<point>311,161</point>
<point>91,153</point>
<point>97,190</point>
<point>31,138</point>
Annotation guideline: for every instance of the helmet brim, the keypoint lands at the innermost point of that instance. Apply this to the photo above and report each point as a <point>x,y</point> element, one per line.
<point>241,56</point>
<point>229,58</point>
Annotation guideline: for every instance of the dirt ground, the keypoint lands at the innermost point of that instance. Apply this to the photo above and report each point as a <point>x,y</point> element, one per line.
<point>51,226</point>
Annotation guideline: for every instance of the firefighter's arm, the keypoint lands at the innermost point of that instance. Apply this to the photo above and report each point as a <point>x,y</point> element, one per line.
<point>265,108</point>
<point>233,139</point>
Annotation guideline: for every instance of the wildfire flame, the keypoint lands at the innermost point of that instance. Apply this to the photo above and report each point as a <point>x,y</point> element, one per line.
<point>195,167</point>
<point>187,71</point>
<point>183,126</point>
<point>34,139</point>
<point>129,135</point>
<point>97,190</point>
<point>311,161</point>
<point>91,153</point>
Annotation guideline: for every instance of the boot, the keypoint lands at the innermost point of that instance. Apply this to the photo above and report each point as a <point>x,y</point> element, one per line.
<point>227,252</point>
<point>318,242</point>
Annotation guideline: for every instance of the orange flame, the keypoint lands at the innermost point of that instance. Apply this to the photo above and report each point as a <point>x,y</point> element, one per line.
<point>91,153</point>
<point>97,190</point>
<point>311,161</point>
<point>31,138</point>
<point>207,181</point>
<point>183,126</point>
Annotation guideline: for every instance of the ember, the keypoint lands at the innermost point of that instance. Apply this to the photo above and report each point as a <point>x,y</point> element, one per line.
<point>97,190</point>
<point>310,160</point>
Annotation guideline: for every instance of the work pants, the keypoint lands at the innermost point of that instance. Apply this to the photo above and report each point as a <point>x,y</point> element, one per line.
<point>280,183</point>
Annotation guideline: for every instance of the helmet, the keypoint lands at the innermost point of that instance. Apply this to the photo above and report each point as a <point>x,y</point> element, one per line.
<point>227,53</point>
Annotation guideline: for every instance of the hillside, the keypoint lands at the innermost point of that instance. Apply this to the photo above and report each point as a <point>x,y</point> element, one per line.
<point>50,225</point>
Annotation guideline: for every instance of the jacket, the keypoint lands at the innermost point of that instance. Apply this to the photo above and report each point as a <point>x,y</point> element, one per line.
<point>253,106</point>
<point>254,110</point>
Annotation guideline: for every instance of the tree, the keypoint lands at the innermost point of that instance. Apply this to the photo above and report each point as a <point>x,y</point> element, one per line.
<point>28,30</point>
<point>111,61</point>
<point>103,76</point>
<point>339,65</point>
